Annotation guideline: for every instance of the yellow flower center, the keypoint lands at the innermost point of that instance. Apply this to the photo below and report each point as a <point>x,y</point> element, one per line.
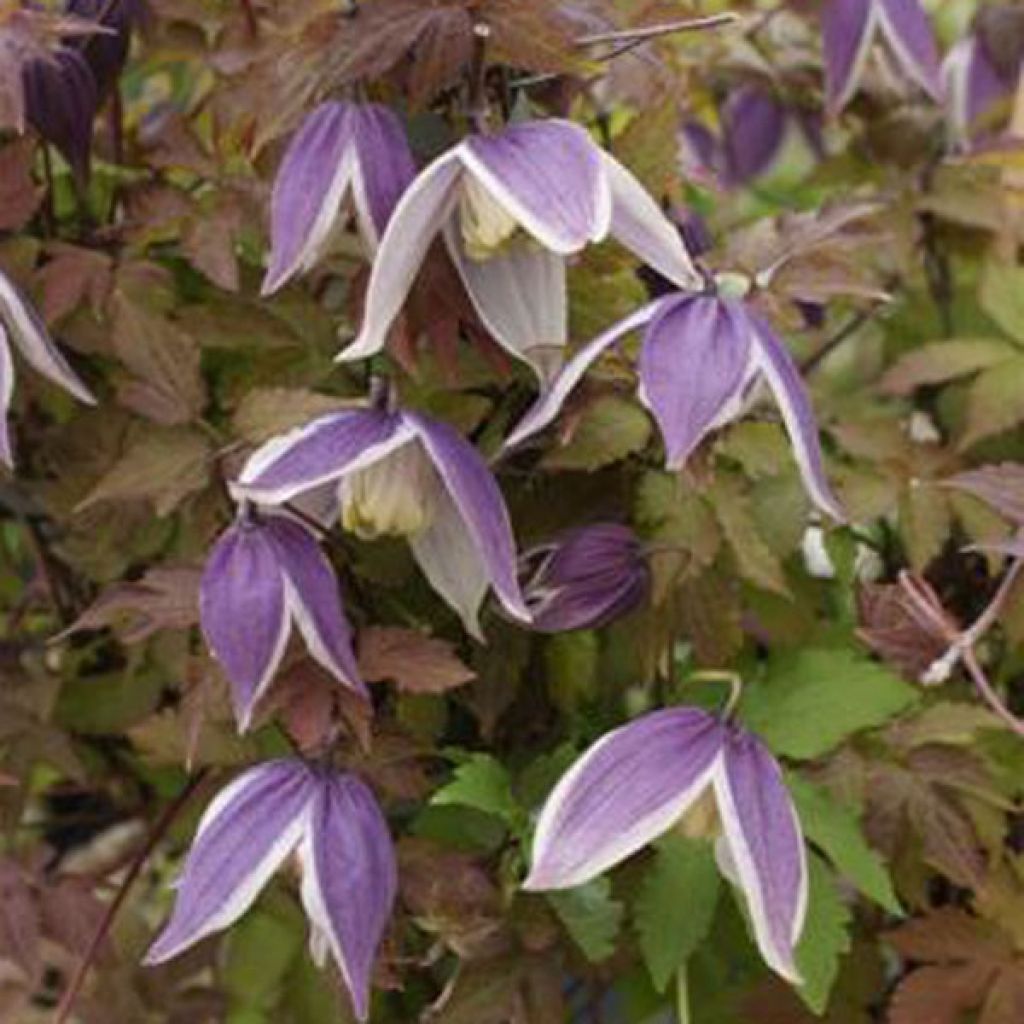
<point>389,498</point>
<point>487,227</point>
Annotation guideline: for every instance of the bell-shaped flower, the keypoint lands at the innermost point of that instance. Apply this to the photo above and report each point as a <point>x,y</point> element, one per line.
<point>106,51</point>
<point>637,782</point>
<point>977,90</point>
<point>585,578</point>
<point>20,323</point>
<point>266,574</point>
<point>332,822</point>
<point>512,207</point>
<point>401,473</point>
<point>700,361</point>
<point>850,27</point>
<point>346,157</point>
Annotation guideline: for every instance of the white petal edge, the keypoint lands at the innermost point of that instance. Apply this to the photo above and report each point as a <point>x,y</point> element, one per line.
<point>311,636</point>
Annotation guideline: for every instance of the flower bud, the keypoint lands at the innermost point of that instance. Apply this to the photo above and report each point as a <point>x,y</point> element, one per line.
<point>390,497</point>
<point>585,579</point>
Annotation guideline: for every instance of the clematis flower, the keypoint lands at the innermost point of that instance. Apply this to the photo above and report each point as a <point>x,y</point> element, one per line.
<point>265,574</point>
<point>585,579</point>
<point>637,782</point>
<point>402,474</point>
<point>976,89</point>
<point>512,207</point>
<point>345,156</point>
<point>345,855</point>
<point>850,27</point>
<point>20,323</point>
<point>700,360</point>
<point>106,51</point>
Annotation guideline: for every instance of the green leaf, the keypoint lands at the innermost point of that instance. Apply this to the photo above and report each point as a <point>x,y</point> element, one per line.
<point>835,829</point>
<point>1002,297</point>
<point>611,429</point>
<point>260,952</point>
<point>995,402</point>
<point>813,699</point>
<point>481,782</point>
<point>591,917</point>
<point>826,936</point>
<point>675,905</point>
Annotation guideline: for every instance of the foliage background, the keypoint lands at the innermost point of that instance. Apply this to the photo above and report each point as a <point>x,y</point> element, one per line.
<point>149,276</point>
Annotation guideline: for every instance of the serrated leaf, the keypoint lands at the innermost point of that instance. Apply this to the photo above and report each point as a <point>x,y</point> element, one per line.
<point>675,905</point>
<point>835,829</point>
<point>813,699</point>
<point>925,522</point>
<point>483,783</point>
<point>610,429</point>
<point>943,361</point>
<point>995,402</point>
<point>825,938</point>
<point>416,662</point>
<point>591,917</point>
<point>1001,296</point>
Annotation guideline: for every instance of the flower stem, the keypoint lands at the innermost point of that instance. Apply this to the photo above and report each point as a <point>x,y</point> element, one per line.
<point>735,681</point>
<point>478,107</point>
<point>639,35</point>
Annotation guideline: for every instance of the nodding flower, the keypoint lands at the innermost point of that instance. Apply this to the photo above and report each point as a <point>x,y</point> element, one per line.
<point>512,208</point>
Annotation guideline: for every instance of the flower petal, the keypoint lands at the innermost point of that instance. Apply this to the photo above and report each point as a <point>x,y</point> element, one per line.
<point>639,224</point>
<point>480,505</point>
<point>784,379</point>
<point>349,879</point>
<point>550,402</point>
<point>624,792</point>
<point>385,166</point>
<point>244,613</point>
<point>448,555</point>
<point>847,31</point>
<point>29,333</point>
<point>309,189</point>
<point>419,215</point>
<point>321,451</point>
<point>6,393</point>
<point>754,131</point>
<point>520,296</point>
<point>241,841</point>
<point>694,363</point>
<point>765,847</point>
<point>909,32</point>
<point>311,593</point>
<point>548,175</point>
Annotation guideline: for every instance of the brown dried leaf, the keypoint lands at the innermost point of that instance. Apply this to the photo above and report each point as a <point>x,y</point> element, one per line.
<point>167,597</point>
<point>209,241</point>
<point>19,920</point>
<point>949,935</point>
<point>890,627</point>
<point>71,914</point>
<point>19,195</point>
<point>1004,1003</point>
<point>416,662</point>
<point>938,995</point>
<point>73,275</point>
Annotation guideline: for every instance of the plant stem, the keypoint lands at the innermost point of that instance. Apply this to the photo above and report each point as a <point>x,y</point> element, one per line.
<point>478,107</point>
<point>850,328</point>
<point>639,35</point>
<point>159,830</point>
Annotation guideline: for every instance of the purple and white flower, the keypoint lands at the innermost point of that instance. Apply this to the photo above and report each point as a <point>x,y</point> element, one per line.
<point>401,473</point>
<point>332,822</point>
<point>976,89</point>
<point>585,578</point>
<point>512,208</point>
<point>637,782</point>
<point>20,323</point>
<point>700,361</point>
<point>345,156</point>
<point>850,27</point>
<point>265,575</point>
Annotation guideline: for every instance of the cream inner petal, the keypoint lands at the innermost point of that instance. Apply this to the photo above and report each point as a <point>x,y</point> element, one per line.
<point>486,227</point>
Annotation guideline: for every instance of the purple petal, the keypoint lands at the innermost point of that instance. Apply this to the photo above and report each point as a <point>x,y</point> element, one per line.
<point>6,392</point>
<point>313,598</point>
<point>422,211</point>
<point>765,846</point>
<point>549,176</point>
<point>520,297</point>
<point>974,87</point>
<point>106,52</point>
<point>244,612</point>
<point>754,129</point>
<point>321,451</point>
<point>349,880</point>
<point>550,402</point>
<point>309,189</point>
<point>246,833</point>
<point>847,30</point>
<point>386,166</point>
<point>639,224</point>
<point>626,790</point>
<point>29,333</point>
<point>694,364</point>
<point>784,379</point>
<point>909,33</point>
<point>480,504</point>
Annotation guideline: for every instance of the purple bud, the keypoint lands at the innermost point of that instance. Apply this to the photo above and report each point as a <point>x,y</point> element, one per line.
<point>106,52</point>
<point>754,126</point>
<point>585,579</point>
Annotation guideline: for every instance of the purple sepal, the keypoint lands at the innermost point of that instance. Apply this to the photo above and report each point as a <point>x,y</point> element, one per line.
<point>585,578</point>
<point>754,125</point>
<point>106,52</point>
